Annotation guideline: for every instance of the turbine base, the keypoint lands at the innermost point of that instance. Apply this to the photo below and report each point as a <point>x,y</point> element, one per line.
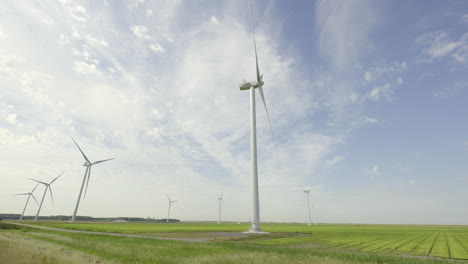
<point>255,231</point>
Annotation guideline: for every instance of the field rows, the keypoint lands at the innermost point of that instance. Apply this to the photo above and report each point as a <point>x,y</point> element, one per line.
<point>444,242</point>
<point>450,242</point>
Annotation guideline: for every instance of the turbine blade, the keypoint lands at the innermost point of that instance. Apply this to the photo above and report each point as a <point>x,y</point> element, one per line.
<point>259,78</point>
<point>260,89</point>
<point>168,198</point>
<point>34,198</point>
<point>87,181</point>
<point>35,188</point>
<point>100,161</point>
<point>21,194</point>
<point>51,196</point>
<point>84,156</point>
<point>38,181</point>
<point>56,178</point>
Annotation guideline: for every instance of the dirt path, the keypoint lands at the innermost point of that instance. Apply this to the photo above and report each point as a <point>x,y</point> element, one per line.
<point>197,239</point>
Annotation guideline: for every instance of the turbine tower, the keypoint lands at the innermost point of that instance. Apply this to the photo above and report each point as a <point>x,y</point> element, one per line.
<point>88,164</point>
<point>255,228</point>
<point>169,209</point>
<point>219,208</point>
<point>47,185</point>
<point>315,217</point>
<point>29,194</point>
<point>306,191</point>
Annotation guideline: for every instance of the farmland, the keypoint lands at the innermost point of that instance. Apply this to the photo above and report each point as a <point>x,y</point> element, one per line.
<point>286,243</point>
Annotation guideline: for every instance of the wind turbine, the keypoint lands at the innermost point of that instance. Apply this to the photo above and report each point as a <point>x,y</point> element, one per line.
<point>47,187</point>
<point>219,208</point>
<point>29,194</point>
<point>169,210</point>
<point>88,164</point>
<point>307,192</point>
<point>315,217</point>
<point>255,228</point>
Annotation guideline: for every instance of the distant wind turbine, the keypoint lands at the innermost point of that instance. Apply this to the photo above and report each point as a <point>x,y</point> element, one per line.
<point>29,194</point>
<point>255,228</point>
<point>308,206</point>
<point>88,164</point>
<point>47,187</point>
<point>219,208</point>
<point>169,209</point>
<point>307,193</point>
<point>315,217</point>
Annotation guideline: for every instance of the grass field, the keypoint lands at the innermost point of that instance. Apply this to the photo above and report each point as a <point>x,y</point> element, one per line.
<point>287,243</point>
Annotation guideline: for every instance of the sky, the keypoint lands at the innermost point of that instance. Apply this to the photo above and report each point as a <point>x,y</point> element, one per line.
<point>367,99</point>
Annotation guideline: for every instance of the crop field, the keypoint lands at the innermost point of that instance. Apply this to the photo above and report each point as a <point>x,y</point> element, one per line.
<point>286,243</point>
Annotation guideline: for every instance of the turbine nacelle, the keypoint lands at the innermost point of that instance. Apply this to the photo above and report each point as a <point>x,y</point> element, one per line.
<point>247,85</point>
<point>87,164</point>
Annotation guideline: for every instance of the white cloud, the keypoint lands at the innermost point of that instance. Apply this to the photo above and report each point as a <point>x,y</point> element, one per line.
<point>94,42</point>
<point>343,38</point>
<point>450,91</point>
<point>380,92</point>
<point>375,169</point>
<point>37,85</point>
<point>370,120</point>
<point>399,81</point>
<point>385,71</point>
<point>86,68</point>
<point>78,12</point>
<point>11,118</point>
<point>214,20</point>
<point>439,45</point>
<point>332,162</point>
<point>368,76</point>
<point>157,48</point>
<point>156,133</point>
<point>157,114</point>
<point>140,32</point>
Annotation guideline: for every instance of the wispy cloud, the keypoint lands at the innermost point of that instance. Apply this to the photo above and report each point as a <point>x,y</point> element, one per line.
<point>440,44</point>
<point>451,90</point>
<point>370,120</point>
<point>140,32</point>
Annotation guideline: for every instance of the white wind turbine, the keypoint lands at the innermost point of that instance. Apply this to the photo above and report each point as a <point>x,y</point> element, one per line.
<point>29,194</point>
<point>47,187</point>
<point>169,209</point>
<point>88,164</point>
<point>307,193</point>
<point>219,208</point>
<point>315,217</point>
<point>255,228</point>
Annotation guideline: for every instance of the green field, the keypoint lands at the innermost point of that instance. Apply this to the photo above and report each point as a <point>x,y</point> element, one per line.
<point>286,243</point>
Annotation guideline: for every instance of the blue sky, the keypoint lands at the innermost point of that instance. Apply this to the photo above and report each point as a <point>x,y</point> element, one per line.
<point>367,101</point>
